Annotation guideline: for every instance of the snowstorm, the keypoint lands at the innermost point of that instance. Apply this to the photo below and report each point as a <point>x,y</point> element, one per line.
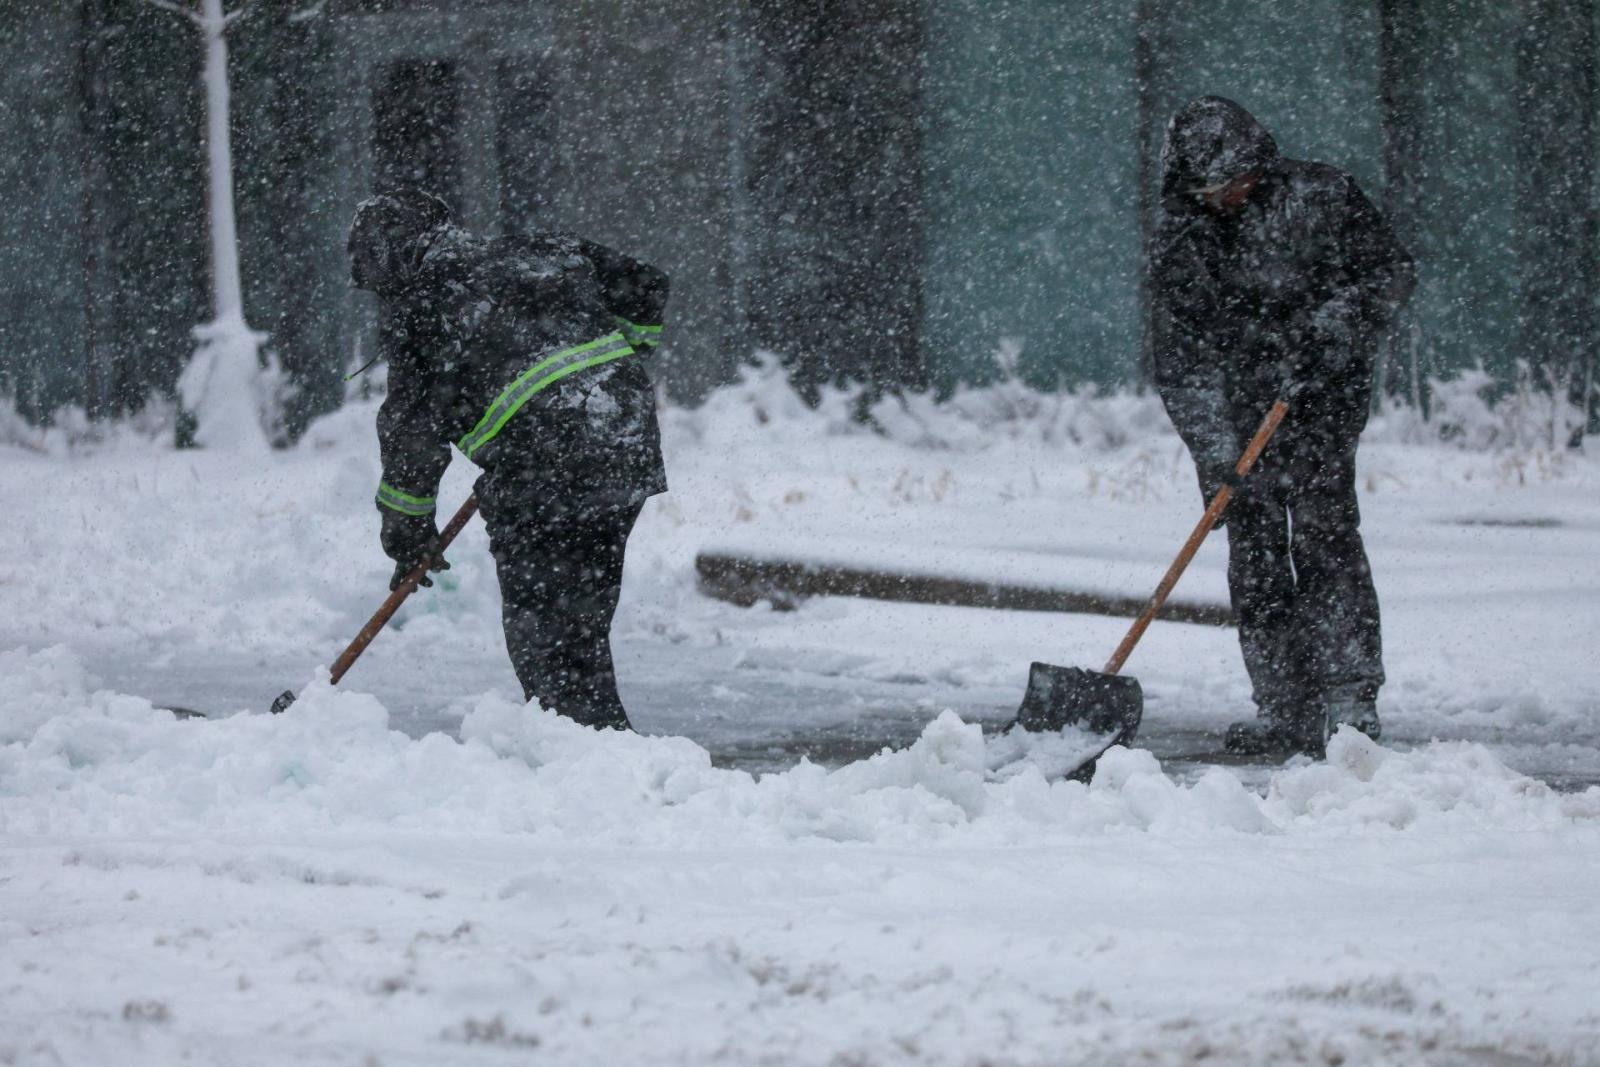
<point>837,533</point>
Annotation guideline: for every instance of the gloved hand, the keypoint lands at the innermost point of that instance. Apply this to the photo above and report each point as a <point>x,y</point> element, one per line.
<point>1213,479</point>
<point>1215,467</point>
<point>410,540</point>
<point>1213,476</point>
<point>1310,358</point>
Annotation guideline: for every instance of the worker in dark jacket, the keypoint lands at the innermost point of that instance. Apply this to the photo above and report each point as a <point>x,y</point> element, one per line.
<point>1274,277</point>
<point>526,353</point>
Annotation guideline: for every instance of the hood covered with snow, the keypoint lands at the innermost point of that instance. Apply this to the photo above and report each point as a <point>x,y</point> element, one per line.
<point>1210,141</point>
<point>388,235</point>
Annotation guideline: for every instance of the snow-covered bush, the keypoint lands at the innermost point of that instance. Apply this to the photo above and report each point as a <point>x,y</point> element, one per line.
<point>971,418</point>
<point>1472,411</point>
<point>70,429</point>
<point>14,429</point>
<point>1476,412</point>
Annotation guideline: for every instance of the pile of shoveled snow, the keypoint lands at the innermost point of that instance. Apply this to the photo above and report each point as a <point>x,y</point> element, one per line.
<point>80,761</point>
<point>319,888</point>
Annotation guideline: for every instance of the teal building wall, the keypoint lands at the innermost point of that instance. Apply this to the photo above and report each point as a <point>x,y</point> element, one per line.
<point>41,298</point>
<point>1032,223</point>
<point>1470,121</point>
<point>894,191</point>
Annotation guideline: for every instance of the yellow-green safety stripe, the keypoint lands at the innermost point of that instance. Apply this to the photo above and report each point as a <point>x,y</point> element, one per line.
<point>405,503</point>
<point>545,373</point>
<point>640,333</point>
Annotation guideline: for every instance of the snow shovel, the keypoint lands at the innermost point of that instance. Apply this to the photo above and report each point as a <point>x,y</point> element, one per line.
<point>381,617</point>
<point>1107,702</point>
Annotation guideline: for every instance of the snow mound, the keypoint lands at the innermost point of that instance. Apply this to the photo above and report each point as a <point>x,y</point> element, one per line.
<point>75,759</point>
<point>1456,783</point>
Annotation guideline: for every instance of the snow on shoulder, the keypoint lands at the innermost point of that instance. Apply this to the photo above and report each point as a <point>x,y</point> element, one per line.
<point>75,759</point>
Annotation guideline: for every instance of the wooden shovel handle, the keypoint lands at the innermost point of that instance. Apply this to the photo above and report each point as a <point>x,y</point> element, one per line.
<point>382,616</point>
<point>1219,504</point>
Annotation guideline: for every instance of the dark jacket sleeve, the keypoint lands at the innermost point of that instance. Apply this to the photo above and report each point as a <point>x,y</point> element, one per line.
<point>634,291</point>
<point>1188,376</point>
<point>1372,275</point>
<point>412,437</point>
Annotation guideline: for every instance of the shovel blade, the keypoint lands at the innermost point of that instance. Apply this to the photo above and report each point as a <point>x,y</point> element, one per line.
<point>1059,697</point>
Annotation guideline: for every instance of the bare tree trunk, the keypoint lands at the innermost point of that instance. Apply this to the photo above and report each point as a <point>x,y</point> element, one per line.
<point>1146,71</point>
<point>222,387</point>
<point>97,390</point>
<point>227,296</point>
<point>1556,156</point>
<point>1400,106</point>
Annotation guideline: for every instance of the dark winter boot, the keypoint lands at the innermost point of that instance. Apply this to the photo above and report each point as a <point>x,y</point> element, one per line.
<point>1354,705</point>
<point>1281,732</point>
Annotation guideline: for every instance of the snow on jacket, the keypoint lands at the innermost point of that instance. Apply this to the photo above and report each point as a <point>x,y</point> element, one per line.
<point>1296,288</point>
<point>525,352</point>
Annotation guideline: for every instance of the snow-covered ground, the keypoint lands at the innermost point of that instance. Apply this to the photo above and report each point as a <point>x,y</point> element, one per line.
<point>418,869</point>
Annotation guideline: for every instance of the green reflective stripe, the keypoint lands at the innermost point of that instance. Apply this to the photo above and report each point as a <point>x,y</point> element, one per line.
<point>386,488</point>
<point>405,503</point>
<point>638,333</point>
<point>546,372</point>
<point>532,381</point>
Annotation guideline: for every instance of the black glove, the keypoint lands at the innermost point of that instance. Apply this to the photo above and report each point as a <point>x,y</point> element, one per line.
<point>1311,360</point>
<point>1211,482</point>
<point>1216,467</point>
<point>410,540</point>
<point>1214,474</point>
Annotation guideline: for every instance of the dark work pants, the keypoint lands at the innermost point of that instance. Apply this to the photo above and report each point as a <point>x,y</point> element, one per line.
<point>1299,579</point>
<point>560,569</point>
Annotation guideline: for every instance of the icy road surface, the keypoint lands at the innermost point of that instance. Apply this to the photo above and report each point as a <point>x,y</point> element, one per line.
<point>764,697</point>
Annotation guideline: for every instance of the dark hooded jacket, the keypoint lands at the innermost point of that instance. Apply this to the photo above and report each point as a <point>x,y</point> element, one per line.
<point>526,352</point>
<point>1294,289</point>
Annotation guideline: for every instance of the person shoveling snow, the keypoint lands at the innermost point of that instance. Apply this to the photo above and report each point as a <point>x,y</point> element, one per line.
<point>523,351</point>
<point>1272,278</point>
